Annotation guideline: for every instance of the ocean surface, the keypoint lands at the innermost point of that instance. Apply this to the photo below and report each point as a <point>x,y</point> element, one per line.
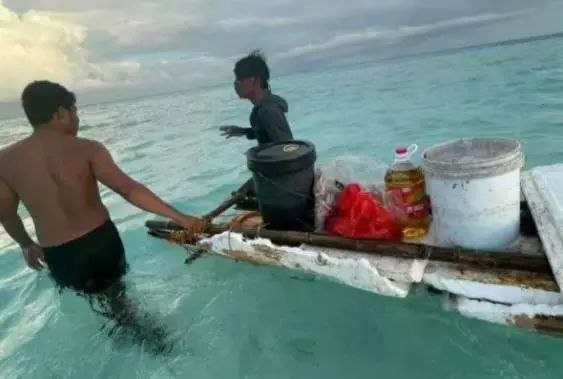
<point>234,320</point>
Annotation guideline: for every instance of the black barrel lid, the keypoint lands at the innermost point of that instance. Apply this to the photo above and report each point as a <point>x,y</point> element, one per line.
<point>281,157</point>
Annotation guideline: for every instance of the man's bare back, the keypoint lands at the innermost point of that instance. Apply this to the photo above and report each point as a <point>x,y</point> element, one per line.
<point>54,176</point>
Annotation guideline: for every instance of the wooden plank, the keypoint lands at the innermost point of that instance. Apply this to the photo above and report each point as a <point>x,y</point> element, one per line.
<point>542,205</point>
<point>480,259</point>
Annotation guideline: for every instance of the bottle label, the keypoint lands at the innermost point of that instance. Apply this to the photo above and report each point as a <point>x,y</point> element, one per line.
<point>408,203</point>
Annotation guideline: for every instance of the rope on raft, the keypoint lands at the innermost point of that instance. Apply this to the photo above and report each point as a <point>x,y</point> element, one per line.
<point>189,238</point>
<point>184,237</point>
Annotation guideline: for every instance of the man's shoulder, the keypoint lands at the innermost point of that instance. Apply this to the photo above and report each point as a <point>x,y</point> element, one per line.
<point>269,108</point>
<point>94,150</point>
<point>7,159</point>
<point>9,151</point>
<point>85,148</point>
<point>85,141</point>
<point>271,112</point>
<point>3,158</point>
<point>89,145</point>
<point>4,152</point>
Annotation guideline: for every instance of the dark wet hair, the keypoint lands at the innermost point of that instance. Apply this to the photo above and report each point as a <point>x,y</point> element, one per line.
<point>42,99</point>
<point>253,66</point>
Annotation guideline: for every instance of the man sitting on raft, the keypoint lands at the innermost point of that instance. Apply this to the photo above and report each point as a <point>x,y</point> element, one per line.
<point>267,119</point>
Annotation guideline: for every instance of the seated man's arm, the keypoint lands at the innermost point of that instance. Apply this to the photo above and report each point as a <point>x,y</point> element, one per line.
<point>108,173</point>
<point>13,225</point>
<point>249,133</point>
<point>236,131</point>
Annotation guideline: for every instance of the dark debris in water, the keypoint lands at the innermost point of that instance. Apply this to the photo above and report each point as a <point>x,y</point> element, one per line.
<point>193,255</point>
<point>303,278</point>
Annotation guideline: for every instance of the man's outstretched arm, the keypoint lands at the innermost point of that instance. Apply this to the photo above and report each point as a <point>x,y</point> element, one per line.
<point>13,225</point>
<point>108,173</point>
<point>231,131</point>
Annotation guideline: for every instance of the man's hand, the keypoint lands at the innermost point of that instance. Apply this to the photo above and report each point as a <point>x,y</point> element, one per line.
<point>232,131</point>
<point>193,224</point>
<point>33,255</point>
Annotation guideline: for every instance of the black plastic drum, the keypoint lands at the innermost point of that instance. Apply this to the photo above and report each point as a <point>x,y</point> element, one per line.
<point>284,174</point>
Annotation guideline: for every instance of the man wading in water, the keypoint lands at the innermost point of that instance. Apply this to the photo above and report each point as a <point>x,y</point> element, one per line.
<point>267,119</point>
<point>55,175</point>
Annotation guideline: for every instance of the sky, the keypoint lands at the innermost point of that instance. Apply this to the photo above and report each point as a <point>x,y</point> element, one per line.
<point>107,49</point>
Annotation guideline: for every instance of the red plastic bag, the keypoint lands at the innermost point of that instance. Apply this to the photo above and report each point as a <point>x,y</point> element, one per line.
<point>359,214</point>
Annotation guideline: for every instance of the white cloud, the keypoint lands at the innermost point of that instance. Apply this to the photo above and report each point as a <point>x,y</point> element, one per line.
<point>142,23</point>
<point>37,45</point>
<point>252,22</point>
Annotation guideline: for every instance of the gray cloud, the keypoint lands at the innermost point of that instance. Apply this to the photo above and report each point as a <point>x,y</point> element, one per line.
<point>174,42</point>
<point>371,35</point>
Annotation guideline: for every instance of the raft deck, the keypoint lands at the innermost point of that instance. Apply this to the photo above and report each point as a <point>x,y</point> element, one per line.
<point>520,286</point>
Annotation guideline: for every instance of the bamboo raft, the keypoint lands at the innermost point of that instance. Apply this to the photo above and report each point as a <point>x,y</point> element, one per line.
<point>517,287</point>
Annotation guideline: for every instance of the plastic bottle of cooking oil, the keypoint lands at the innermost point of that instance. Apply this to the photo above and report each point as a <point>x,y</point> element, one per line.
<point>405,195</point>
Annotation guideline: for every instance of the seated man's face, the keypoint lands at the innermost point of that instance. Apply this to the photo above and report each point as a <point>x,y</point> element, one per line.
<point>244,87</point>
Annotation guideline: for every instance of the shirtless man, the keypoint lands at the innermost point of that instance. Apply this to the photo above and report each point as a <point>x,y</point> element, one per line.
<point>55,174</point>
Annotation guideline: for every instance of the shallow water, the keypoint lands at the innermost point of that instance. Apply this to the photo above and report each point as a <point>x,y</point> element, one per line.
<point>233,320</point>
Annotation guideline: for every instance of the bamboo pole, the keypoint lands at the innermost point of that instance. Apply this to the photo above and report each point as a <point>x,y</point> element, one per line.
<point>236,198</point>
<point>474,258</point>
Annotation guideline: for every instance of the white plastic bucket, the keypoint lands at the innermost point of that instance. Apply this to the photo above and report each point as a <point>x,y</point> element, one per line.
<point>474,189</point>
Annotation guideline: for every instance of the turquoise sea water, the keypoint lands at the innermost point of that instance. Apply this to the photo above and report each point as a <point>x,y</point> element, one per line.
<point>232,320</point>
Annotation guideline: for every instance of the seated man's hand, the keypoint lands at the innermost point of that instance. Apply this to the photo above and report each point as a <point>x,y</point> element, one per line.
<point>232,131</point>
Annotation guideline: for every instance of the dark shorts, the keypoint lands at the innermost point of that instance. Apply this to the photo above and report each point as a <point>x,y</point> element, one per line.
<point>91,263</point>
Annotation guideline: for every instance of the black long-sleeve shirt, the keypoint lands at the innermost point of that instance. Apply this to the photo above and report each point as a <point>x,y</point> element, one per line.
<point>268,121</point>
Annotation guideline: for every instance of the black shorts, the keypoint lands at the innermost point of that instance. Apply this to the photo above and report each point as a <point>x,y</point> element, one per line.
<point>91,263</point>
